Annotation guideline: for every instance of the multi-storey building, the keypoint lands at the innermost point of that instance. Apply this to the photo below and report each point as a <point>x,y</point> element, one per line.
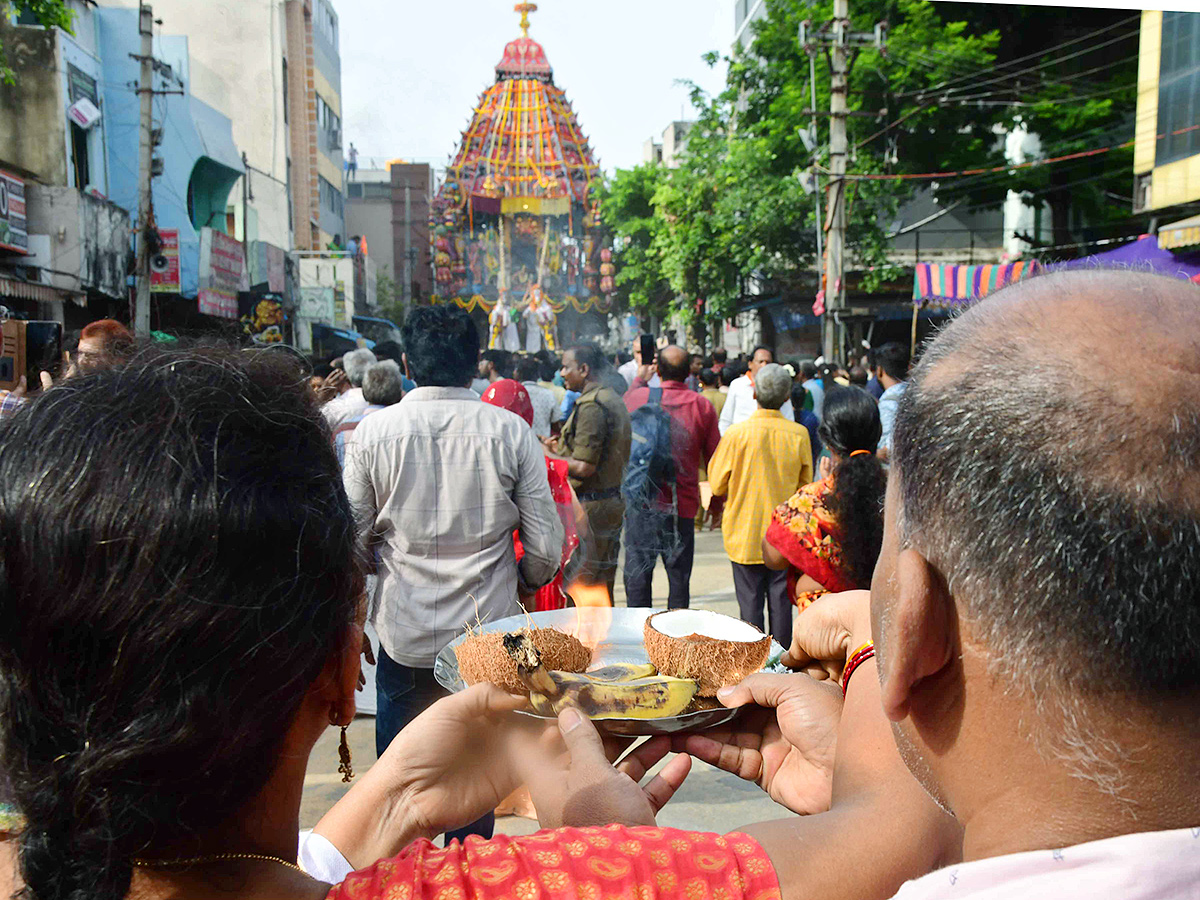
<point>1166,153</point>
<point>64,246</point>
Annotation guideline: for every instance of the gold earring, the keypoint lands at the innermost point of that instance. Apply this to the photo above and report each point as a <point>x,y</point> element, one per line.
<point>345,769</point>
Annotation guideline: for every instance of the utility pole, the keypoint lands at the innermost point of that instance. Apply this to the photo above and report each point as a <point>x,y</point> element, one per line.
<point>246,198</point>
<point>835,297</point>
<point>141,307</point>
<point>839,40</point>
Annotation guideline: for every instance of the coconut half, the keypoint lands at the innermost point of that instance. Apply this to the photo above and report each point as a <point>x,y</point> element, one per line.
<point>714,649</point>
<point>481,657</point>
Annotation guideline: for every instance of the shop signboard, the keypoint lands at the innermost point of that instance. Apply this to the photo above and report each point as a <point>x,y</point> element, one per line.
<point>12,214</point>
<point>164,265</point>
<point>222,274</point>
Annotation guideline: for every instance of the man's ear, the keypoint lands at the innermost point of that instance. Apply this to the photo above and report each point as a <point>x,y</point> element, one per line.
<point>920,631</point>
<point>404,361</point>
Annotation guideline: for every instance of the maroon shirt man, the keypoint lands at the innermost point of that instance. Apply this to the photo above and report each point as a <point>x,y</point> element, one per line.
<point>695,436</point>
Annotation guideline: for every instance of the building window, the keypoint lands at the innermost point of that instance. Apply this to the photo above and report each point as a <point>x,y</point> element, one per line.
<point>329,123</point>
<point>327,23</point>
<point>1178,86</point>
<point>291,212</point>
<point>79,157</point>
<point>331,198</point>
<point>354,190</point>
<point>285,92</point>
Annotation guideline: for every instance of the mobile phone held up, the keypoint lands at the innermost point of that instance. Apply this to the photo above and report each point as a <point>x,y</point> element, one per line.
<point>646,346</point>
<point>29,348</point>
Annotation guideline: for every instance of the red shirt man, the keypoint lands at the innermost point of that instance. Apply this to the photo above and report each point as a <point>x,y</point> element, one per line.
<point>695,439</point>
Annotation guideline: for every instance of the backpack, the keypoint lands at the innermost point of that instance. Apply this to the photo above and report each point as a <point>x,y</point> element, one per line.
<point>651,468</point>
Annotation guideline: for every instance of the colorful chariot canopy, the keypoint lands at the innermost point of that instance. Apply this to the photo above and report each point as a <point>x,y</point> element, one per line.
<point>523,146</point>
<point>938,284</point>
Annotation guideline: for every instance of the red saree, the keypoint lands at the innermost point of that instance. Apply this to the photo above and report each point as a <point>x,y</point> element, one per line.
<point>610,863</point>
<point>552,595</point>
<point>804,530</point>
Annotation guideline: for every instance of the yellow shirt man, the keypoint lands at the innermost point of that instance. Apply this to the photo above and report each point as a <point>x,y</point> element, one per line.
<point>759,464</point>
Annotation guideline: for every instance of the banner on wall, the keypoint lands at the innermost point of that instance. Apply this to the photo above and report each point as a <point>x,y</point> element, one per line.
<point>12,214</point>
<point>164,265</point>
<point>222,274</point>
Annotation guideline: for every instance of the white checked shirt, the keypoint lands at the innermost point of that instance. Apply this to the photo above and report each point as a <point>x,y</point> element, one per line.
<point>439,482</point>
<point>546,409</point>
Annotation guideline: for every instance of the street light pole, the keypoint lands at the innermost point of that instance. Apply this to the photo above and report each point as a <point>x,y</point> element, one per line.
<point>835,295</point>
<point>141,305</point>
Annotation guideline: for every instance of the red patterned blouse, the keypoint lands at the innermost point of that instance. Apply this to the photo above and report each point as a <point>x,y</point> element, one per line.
<point>609,863</point>
<point>804,530</point>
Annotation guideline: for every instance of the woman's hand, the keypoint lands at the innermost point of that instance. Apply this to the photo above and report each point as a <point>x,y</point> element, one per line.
<point>825,634</point>
<point>453,763</point>
<point>583,788</point>
<point>447,768</point>
<point>786,746</point>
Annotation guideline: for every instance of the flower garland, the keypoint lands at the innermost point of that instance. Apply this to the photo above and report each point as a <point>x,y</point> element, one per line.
<point>470,304</point>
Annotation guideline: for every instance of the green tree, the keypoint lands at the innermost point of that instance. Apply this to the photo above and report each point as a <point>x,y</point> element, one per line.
<point>736,207</point>
<point>1068,76</point>
<point>627,208</point>
<point>47,13</point>
<point>391,305</point>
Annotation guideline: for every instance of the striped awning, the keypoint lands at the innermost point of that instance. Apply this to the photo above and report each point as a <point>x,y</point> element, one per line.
<point>941,284</point>
<point>27,290</point>
<point>1181,234</point>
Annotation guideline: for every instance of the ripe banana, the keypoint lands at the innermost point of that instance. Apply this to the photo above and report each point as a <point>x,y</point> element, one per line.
<point>618,672</point>
<point>619,691</point>
<point>655,697</point>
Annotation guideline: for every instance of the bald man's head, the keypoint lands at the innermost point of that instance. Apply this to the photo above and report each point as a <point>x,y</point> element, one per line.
<point>1060,503</point>
<point>674,363</point>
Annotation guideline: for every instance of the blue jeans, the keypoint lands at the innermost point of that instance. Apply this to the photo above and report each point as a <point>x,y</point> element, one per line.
<point>403,694</point>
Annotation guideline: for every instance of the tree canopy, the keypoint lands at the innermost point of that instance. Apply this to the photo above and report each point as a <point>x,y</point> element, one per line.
<point>47,13</point>
<point>951,81</point>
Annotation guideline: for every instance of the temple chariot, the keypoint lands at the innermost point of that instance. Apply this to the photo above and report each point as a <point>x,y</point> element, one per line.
<point>516,223</point>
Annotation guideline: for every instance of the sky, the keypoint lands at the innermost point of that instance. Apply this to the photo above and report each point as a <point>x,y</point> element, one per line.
<point>413,71</point>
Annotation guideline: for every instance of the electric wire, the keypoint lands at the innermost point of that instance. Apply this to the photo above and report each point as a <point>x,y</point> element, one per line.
<point>942,92</point>
<point>1044,53</point>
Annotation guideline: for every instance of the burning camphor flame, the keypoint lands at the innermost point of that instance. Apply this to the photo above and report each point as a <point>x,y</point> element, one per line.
<point>593,612</point>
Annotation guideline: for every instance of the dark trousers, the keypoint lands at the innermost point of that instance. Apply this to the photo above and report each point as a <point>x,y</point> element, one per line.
<point>644,543</point>
<point>403,694</point>
<point>605,518</point>
<point>756,583</point>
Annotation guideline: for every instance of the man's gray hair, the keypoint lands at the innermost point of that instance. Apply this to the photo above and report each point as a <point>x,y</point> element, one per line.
<point>772,386</point>
<point>382,385</point>
<point>356,363</point>
<point>1062,508</point>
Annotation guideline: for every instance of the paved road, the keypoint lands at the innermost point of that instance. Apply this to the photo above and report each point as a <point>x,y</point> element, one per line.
<point>710,800</point>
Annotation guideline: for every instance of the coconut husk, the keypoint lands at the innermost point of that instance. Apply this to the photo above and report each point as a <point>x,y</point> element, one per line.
<point>482,657</point>
<point>713,662</point>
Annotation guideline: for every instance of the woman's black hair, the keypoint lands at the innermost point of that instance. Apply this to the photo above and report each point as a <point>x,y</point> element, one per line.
<point>849,422</point>
<point>177,562</point>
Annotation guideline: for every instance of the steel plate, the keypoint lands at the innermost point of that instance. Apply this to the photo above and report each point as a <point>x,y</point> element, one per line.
<point>616,635</point>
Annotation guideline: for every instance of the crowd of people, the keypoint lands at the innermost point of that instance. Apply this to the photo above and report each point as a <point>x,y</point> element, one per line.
<point>469,513</point>
<point>998,682</point>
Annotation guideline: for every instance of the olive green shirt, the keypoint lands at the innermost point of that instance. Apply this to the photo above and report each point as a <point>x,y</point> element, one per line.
<point>597,432</point>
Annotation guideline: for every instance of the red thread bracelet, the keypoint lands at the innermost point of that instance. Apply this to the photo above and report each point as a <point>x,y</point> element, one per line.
<point>857,658</point>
